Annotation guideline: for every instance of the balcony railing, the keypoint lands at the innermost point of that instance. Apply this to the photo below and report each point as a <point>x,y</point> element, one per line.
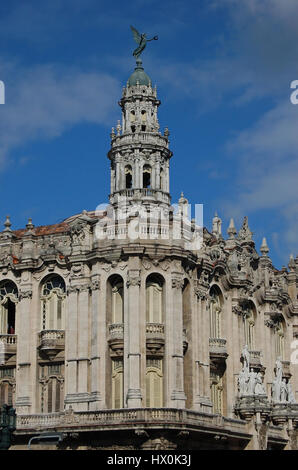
<point>51,342</point>
<point>218,348</point>
<point>155,338</point>
<point>9,339</point>
<point>116,330</point>
<point>9,345</point>
<point>105,419</point>
<point>115,339</point>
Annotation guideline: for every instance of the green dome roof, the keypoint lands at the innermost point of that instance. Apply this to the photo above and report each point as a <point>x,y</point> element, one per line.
<point>139,76</point>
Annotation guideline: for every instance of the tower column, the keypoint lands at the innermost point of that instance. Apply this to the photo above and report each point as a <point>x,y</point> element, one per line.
<point>177,396</point>
<point>134,396</point>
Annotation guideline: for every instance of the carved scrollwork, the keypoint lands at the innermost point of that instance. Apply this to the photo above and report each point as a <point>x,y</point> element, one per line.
<point>26,294</point>
<point>177,283</point>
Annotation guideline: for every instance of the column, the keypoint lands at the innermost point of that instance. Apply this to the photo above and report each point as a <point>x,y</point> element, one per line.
<point>83,347</point>
<point>71,333</point>
<point>134,396</point>
<point>24,342</point>
<point>98,340</point>
<point>178,397</point>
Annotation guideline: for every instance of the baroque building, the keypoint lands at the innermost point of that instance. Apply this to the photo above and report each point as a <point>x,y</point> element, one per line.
<point>135,328</point>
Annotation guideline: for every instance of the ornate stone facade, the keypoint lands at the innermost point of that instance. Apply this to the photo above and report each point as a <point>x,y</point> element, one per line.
<point>123,333</point>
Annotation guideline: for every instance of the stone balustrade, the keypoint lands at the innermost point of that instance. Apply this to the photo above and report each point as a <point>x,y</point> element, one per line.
<point>116,330</point>
<point>140,137</point>
<point>8,345</point>
<point>8,339</point>
<point>51,342</point>
<point>218,348</point>
<point>101,419</point>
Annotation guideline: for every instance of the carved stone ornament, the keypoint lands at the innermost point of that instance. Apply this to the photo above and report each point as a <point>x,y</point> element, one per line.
<point>95,284</point>
<point>177,283</point>
<point>134,278</point>
<point>25,294</point>
<point>200,293</point>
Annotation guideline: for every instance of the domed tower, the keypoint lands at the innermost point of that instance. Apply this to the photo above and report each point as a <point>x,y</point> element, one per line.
<point>139,153</point>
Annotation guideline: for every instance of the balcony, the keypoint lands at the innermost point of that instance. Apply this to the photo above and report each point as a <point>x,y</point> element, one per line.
<point>218,349</point>
<point>8,346</point>
<point>155,338</point>
<point>115,339</point>
<point>51,342</point>
<point>255,360</point>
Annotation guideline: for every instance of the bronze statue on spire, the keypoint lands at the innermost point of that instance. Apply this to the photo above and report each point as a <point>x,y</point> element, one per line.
<point>141,40</point>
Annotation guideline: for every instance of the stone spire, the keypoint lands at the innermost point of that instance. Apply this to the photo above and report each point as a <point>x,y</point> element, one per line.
<point>264,247</point>
<point>292,264</point>
<point>139,153</point>
<point>7,224</point>
<point>216,225</point>
<point>232,229</point>
<point>244,234</point>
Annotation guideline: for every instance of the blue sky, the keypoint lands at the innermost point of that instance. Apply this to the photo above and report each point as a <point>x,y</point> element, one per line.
<point>223,69</point>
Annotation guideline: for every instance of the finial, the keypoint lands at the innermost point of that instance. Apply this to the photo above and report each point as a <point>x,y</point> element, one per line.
<point>118,127</point>
<point>112,134</point>
<point>216,225</point>
<point>7,224</point>
<point>182,199</point>
<point>292,263</point>
<point>166,132</point>
<point>244,233</point>
<point>264,247</point>
<point>30,225</point>
<point>231,229</point>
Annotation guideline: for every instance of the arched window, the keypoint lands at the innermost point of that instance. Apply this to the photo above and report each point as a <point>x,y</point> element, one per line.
<point>249,323</point>
<point>52,388</point>
<point>279,339</point>
<point>132,116</point>
<point>146,176</point>
<point>154,383</point>
<point>117,383</point>
<point>154,299</point>
<point>117,300</point>
<point>144,119</point>
<point>53,303</point>
<point>161,181</point>
<point>128,177</point>
<point>8,299</point>
<point>215,310</point>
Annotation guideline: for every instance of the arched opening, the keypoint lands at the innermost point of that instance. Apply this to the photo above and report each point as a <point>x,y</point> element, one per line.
<point>279,338</point>
<point>146,176</point>
<point>161,179</point>
<point>154,383</point>
<point>115,332</point>
<point>128,177</point>
<point>249,325</point>
<point>53,303</point>
<point>52,388</point>
<point>8,299</point>
<point>215,312</point>
<point>144,120</point>
<point>154,299</point>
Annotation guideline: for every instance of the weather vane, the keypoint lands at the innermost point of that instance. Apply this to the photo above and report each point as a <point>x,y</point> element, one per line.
<point>141,41</point>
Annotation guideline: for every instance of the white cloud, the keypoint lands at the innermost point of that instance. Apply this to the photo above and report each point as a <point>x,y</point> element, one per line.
<point>44,101</point>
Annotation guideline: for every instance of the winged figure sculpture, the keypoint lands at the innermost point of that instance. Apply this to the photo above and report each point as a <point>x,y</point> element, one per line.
<point>141,41</point>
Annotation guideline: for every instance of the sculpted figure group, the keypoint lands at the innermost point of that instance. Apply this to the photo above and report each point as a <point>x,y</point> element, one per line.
<point>251,382</point>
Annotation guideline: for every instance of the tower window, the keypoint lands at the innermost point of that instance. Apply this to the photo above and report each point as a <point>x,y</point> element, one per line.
<point>133,128</point>
<point>128,177</point>
<point>146,176</point>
